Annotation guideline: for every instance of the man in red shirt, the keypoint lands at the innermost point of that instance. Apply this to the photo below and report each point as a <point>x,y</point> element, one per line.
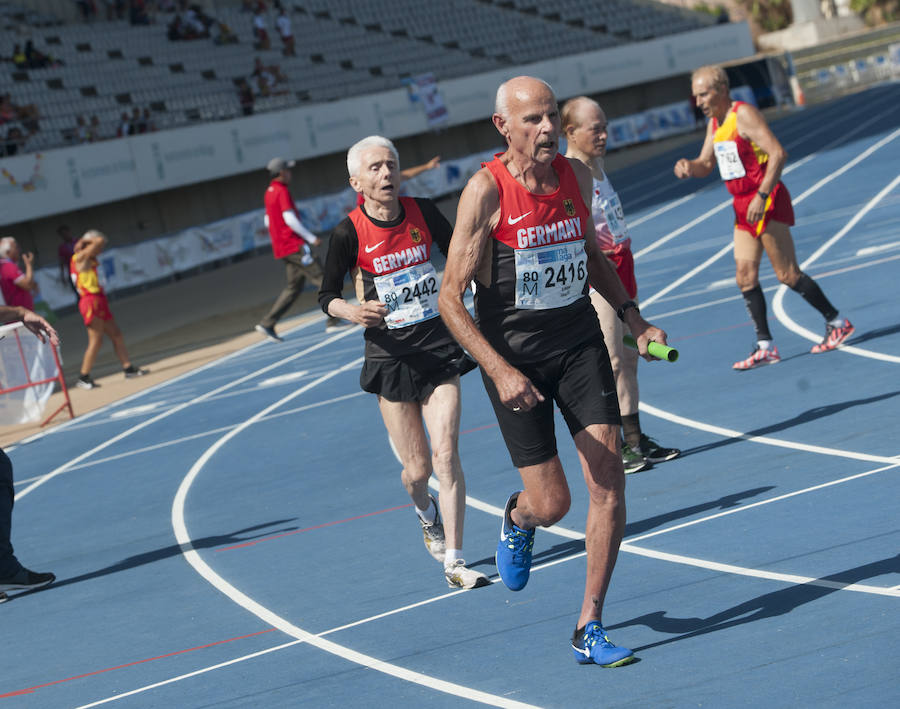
<point>16,286</point>
<point>291,242</point>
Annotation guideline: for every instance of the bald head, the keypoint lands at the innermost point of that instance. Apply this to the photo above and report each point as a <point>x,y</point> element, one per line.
<point>714,76</point>
<point>517,90</point>
<point>577,111</point>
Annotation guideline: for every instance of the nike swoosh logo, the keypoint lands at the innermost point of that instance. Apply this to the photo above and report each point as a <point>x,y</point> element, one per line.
<point>511,221</point>
<point>370,249</point>
<point>583,651</point>
<point>607,393</point>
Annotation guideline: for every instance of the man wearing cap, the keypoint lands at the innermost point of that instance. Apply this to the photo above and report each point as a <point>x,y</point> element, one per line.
<point>291,243</point>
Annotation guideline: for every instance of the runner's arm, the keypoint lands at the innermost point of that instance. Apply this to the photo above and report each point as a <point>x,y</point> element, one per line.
<point>752,126</point>
<point>34,322</point>
<point>343,247</point>
<point>703,164</point>
<point>603,277</point>
<point>476,217</point>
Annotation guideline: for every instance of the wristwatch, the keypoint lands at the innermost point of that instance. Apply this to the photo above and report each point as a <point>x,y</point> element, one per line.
<point>620,311</point>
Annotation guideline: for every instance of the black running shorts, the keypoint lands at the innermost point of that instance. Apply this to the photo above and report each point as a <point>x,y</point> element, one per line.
<point>414,377</point>
<point>581,383</point>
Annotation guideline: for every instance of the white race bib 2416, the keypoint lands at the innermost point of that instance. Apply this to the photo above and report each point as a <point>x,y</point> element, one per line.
<point>550,276</point>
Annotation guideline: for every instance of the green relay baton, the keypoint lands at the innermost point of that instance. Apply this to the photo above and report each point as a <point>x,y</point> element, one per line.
<point>670,354</point>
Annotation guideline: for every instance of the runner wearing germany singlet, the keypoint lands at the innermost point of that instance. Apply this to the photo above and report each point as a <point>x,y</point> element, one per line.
<point>524,234</point>
<point>391,262</point>
<point>531,305</point>
<point>412,363</point>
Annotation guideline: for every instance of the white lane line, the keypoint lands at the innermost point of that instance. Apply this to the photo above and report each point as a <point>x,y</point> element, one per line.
<point>778,300</point>
<point>766,440</point>
<point>687,276</point>
<point>195,436</point>
<point>756,573</point>
<point>149,390</point>
<point>751,505</point>
<point>870,250</point>
<point>283,378</point>
<point>115,439</point>
<point>267,616</point>
<point>201,671</point>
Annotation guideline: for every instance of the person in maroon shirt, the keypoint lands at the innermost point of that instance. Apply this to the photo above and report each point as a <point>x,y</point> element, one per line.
<point>291,242</point>
<point>17,286</point>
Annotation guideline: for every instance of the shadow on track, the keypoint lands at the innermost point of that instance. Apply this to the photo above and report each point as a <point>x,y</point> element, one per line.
<point>768,605</point>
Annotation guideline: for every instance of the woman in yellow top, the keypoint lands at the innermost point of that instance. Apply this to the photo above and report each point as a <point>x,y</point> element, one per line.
<point>94,309</point>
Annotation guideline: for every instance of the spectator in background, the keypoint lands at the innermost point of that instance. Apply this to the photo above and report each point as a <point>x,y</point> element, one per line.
<point>88,9</point>
<point>19,60</point>
<point>260,29</point>
<point>225,36</point>
<point>17,286</point>
<point>137,13</point>
<point>267,77</point>
<point>149,125</point>
<point>137,121</point>
<point>125,127</point>
<point>245,96</point>
<point>81,134</point>
<point>95,132</point>
<point>283,24</point>
<point>14,143</point>
<point>64,254</point>
<point>196,22</point>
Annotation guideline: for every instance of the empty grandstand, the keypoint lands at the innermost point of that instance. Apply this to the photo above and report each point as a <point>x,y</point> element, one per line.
<point>345,48</point>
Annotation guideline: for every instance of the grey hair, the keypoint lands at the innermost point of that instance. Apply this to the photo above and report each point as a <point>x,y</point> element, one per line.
<point>93,233</point>
<point>716,74</point>
<point>354,155</point>
<point>501,102</point>
<point>6,244</point>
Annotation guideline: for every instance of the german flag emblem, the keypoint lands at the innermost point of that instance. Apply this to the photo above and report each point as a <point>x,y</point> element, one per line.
<point>570,207</point>
<point>415,235</point>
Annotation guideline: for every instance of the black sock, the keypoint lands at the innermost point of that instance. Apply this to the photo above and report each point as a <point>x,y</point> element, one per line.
<point>756,306</point>
<point>631,429</point>
<point>813,295</point>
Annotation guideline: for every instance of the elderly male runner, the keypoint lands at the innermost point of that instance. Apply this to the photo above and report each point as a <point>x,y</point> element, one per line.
<point>584,124</point>
<point>750,161</point>
<point>411,362</point>
<point>524,233</point>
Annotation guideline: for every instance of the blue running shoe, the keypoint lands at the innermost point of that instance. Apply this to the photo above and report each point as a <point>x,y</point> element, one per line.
<point>591,646</point>
<point>513,556</point>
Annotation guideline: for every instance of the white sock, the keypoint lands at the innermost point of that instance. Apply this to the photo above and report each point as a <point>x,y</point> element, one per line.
<point>452,555</point>
<point>837,322</point>
<point>763,344</point>
<point>429,514</point>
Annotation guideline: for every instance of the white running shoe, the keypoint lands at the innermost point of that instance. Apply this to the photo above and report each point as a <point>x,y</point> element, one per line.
<point>458,576</point>
<point>433,534</point>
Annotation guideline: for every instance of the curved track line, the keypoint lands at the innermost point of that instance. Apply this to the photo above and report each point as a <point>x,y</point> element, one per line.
<point>778,300</point>
<point>127,432</point>
<point>269,617</point>
<point>766,440</point>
